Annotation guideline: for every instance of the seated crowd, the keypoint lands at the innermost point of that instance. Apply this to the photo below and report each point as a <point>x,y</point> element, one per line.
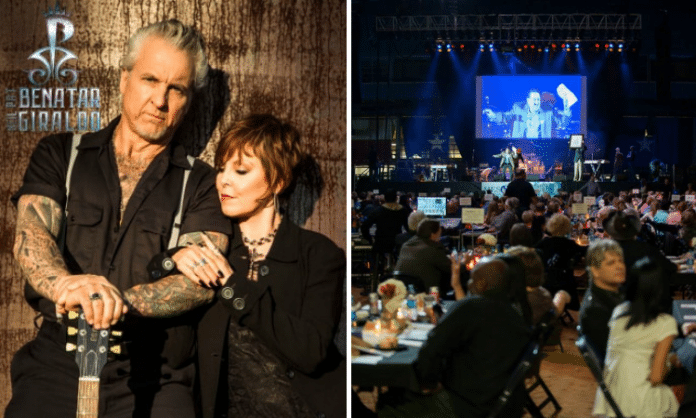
<point>624,314</point>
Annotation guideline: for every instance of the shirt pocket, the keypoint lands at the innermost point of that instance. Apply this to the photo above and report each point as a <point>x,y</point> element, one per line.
<point>85,234</point>
<point>153,227</point>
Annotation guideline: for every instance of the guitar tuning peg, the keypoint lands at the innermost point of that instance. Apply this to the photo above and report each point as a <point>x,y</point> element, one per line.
<point>72,315</point>
<point>116,333</point>
<point>72,331</point>
<point>70,347</point>
<point>116,349</point>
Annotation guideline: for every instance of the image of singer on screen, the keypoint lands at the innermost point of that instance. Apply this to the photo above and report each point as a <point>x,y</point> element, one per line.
<point>537,116</point>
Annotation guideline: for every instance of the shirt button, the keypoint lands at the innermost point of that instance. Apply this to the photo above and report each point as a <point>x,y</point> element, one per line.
<point>290,373</point>
<point>227,293</point>
<point>264,270</point>
<point>238,304</point>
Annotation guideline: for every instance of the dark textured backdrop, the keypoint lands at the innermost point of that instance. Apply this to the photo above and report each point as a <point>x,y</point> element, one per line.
<point>287,58</point>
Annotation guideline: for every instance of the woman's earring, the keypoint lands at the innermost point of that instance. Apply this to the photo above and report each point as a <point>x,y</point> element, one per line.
<point>276,204</point>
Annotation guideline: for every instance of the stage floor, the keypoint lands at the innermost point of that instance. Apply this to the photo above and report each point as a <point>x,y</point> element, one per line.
<point>456,187</point>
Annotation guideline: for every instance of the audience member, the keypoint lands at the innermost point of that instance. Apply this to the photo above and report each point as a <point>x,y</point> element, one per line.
<point>607,272</point>
<point>424,257</point>
<point>414,219</point>
<point>521,189</point>
<point>502,223</point>
<point>640,337</point>
<point>389,219</point>
<point>521,235</point>
<point>476,346</point>
<point>560,254</point>
<point>623,228</point>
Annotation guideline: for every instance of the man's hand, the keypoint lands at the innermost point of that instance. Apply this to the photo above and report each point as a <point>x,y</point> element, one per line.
<point>100,300</point>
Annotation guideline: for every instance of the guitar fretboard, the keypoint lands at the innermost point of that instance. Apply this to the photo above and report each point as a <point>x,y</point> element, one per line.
<point>88,397</point>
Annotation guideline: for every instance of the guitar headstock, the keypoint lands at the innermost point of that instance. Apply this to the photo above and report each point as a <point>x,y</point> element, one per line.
<point>92,348</point>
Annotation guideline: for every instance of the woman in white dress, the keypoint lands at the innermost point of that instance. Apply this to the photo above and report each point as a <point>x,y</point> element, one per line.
<point>640,336</point>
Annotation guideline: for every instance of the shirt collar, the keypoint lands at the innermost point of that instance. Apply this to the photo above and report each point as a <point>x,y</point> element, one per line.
<point>101,139</point>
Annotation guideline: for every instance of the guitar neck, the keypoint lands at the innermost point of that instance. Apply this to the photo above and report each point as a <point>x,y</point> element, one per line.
<point>88,397</point>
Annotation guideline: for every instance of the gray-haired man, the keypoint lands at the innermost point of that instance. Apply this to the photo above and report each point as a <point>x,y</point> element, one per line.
<point>125,188</point>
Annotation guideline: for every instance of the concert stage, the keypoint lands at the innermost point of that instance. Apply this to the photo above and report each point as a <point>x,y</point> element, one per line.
<point>475,186</point>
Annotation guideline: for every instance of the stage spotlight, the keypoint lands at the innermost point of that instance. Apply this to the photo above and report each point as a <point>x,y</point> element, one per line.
<point>526,46</point>
<point>621,45</point>
<point>553,46</point>
<point>546,49</point>
<point>611,45</point>
<point>449,48</point>
<point>461,46</point>
<point>491,47</point>
<point>519,49</point>
<point>596,46</point>
<point>439,47</point>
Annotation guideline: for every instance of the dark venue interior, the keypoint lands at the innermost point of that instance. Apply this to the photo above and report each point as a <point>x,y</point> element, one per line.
<point>440,89</point>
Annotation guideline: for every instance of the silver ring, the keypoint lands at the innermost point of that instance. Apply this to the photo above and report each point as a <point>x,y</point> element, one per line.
<point>95,296</point>
<point>203,262</point>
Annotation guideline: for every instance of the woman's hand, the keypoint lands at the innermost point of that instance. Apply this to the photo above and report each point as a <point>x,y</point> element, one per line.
<point>203,264</point>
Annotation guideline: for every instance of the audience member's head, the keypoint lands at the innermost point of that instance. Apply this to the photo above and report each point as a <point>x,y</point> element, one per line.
<point>490,277</point>
<point>558,225</point>
<point>533,266</point>
<point>622,226</point>
<point>429,229</point>
<point>414,219</point>
<point>645,292</point>
<point>528,217</point>
<point>521,235</point>
<point>605,264</point>
<point>390,196</point>
<point>553,207</point>
<point>521,173</point>
<point>512,203</point>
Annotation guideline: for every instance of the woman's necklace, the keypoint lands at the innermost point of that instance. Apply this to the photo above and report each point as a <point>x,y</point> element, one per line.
<point>254,254</point>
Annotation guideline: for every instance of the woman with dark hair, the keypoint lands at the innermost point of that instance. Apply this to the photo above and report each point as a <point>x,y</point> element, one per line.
<point>640,337</point>
<point>266,346</point>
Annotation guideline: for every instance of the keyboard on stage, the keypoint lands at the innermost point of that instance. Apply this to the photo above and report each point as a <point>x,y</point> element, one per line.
<point>596,161</point>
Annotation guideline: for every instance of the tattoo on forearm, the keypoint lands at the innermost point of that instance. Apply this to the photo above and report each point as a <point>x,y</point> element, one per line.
<point>174,295</point>
<point>167,297</point>
<point>195,238</point>
<point>39,221</point>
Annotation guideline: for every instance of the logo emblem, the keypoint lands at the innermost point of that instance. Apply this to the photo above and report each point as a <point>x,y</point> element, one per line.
<point>54,57</point>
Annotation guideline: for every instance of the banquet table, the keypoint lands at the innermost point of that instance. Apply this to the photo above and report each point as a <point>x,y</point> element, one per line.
<point>393,368</point>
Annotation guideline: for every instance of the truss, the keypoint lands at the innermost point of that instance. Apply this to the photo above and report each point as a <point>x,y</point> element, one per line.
<point>518,26</point>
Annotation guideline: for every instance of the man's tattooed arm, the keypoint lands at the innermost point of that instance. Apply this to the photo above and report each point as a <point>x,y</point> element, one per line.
<point>39,221</point>
<point>173,295</point>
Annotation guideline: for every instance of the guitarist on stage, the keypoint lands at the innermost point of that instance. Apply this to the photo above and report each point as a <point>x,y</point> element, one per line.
<point>125,188</point>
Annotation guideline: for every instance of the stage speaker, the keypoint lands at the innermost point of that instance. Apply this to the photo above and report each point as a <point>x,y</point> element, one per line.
<point>560,177</point>
<point>499,177</point>
<point>533,177</point>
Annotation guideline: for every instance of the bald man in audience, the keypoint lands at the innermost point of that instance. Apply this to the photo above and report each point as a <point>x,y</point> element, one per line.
<point>470,355</point>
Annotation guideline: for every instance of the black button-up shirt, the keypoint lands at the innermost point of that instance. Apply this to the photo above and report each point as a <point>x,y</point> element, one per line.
<point>98,242</point>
